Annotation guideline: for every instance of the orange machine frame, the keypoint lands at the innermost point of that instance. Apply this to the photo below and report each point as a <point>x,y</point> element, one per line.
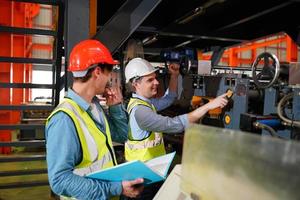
<point>15,14</point>
<point>232,58</point>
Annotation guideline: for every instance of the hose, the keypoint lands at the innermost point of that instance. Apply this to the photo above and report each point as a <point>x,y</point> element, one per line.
<point>268,128</point>
<point>280,111</point>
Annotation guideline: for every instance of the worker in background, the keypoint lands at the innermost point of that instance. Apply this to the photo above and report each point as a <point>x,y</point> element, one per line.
<point>145,139</point>
<point>79,133</point>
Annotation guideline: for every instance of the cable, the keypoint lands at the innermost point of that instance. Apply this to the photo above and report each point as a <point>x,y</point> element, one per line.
<point>268,128</point>
<point>280,111</point>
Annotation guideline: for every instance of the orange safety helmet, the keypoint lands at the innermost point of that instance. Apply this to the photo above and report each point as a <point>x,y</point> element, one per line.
<point>88,53</point>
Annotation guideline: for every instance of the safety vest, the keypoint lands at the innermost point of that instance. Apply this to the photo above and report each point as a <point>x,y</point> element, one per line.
<point>147,148</point>
<point>97,148</point>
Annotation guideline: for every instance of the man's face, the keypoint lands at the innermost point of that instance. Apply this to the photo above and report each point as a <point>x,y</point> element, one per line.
<point>103,77</point>
<point>147,86</point>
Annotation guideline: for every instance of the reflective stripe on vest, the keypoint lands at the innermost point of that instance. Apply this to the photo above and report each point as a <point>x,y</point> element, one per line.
<point>95,166</point>
<point>96,154</point>
<point>147,148</point>
<point>146,143</point>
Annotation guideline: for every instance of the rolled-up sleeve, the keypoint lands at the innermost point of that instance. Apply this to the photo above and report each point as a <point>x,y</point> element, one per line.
<point>151,121</point>
<point>118,123</point>
<point>165,101</point>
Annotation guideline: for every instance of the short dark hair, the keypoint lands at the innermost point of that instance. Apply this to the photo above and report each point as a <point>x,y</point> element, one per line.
<point>108,67</point>
<point>90,71</point>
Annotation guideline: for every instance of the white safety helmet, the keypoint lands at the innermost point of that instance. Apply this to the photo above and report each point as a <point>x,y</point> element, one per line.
<point>138,67</point>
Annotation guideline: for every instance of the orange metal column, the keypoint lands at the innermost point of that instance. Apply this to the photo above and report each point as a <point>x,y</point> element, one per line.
<point>5,50</point>
<point>31,10</point>
<point>291,50</point>
<point>233,57</point>
<point>18,50</point>
<point>253,55</point>
<point>28,52</point>
<point>93,17</point>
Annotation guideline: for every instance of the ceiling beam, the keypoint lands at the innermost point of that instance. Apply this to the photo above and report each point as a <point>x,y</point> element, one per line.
<point>153,30</point>
<point>255,15</point>
<point>125,21</point>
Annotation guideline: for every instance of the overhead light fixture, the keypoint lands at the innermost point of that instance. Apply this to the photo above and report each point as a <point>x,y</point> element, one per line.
<point>190,16</point>
<point>150,40</point>
<point>197,12</point>
<point>183,44</point>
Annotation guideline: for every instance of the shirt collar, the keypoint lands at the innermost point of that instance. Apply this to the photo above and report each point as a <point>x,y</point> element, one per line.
<point>78,99</point>
<point>134,95</point>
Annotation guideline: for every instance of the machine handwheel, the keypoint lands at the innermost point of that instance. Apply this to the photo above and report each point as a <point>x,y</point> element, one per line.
<point>269,73</point>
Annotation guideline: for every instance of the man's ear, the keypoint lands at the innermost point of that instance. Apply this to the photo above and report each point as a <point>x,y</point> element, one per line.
<point>134,84</point>
<point>98,71</point>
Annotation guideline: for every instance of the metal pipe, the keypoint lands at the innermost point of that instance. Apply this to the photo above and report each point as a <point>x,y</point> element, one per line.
<point>280,111</point>
<point>268,128</point>
<point>234,68</point>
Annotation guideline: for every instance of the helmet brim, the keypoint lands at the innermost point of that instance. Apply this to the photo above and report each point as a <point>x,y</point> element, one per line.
<point>127,80</point>
<point>114,62</point>
<point>79,74</point>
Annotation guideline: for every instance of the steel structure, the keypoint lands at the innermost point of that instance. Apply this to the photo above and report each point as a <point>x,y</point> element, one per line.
<point>17,30</point>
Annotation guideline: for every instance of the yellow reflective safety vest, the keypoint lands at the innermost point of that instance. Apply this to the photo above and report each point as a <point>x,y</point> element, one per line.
<point>147,148</point>
<point>97,148</point>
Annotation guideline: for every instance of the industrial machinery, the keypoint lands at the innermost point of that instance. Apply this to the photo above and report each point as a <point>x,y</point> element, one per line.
<point>228,164</point>
<point>265,100</point>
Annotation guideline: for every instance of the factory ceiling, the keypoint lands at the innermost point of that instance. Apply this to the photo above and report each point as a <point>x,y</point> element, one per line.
<point>207,23</point>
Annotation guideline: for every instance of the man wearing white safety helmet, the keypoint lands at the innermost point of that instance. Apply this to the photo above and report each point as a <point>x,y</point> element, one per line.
<point>145,140</point>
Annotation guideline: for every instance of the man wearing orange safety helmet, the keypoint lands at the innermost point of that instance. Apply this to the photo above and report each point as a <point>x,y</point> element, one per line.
<point>79,133</point>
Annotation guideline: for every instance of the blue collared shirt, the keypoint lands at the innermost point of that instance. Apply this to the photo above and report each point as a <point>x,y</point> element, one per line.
<point>143,120</point>
<point>64,152</point>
